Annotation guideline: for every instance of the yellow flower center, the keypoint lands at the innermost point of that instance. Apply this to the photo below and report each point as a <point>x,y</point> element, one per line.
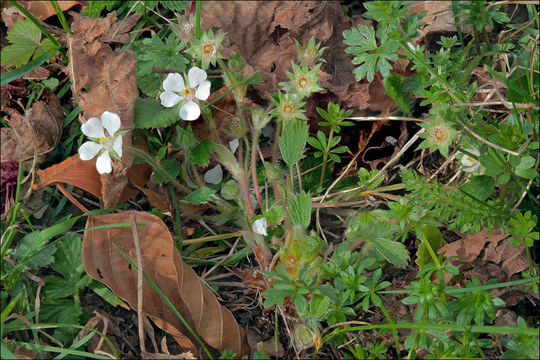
<point>302,82</point>
<point>207,49</point>
<point>186,92</point>
<point>288,109</point>
<point>470,159</point>
<point>106,142</point>
<point>310,53</point>
<point>440,134</point>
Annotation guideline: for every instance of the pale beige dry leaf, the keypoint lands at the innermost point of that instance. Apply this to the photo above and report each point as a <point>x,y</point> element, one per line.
<point>163,264</point>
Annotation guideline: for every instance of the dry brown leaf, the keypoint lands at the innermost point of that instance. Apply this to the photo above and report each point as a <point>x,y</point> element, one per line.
<point>72,171</point>
<point>487,256</point>
<point>163,264</point>
<point>37,133</point>
<point>267,44</point>
<point>438,20</point>
<point>103,80</point>
<point>40,9</point>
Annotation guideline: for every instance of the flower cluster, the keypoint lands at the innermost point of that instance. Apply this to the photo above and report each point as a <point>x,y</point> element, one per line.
<point>102,144</point>
<point>187,92</point>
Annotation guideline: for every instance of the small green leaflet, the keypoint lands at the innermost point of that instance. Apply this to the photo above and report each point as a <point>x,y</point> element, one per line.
<point>293,140</point>
<point>200,196</point>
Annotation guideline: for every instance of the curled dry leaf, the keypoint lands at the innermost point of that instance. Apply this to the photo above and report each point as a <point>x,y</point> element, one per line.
<point>103,80</point>
<point>161,261</point>
<point>35,133</point>
<point>487,255</point>
<point>79,173</point>
<point>40,9</point>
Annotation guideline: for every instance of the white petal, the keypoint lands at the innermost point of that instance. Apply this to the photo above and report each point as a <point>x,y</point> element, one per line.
<point>89,149</point>
<point>117,145</point>
<point>190,111</point>
<point>203,91</point>
<point>93,128</point>
<point>233,144</point>
<point>103,163</point>
<point>169,99</point>
<point>214,176</point>
<point>111,122</point>
<point>468,161</point>
<point>174,82</point>
<point>260,226</point>
<point>196,76</point>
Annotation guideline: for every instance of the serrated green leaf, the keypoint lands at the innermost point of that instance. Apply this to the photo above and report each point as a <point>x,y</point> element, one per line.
<point>394,252</point>
<point>175,5</point>
<point>149,113</point>
<point>30,249</point>
<point>200,152</point>
<point>293,141</point>
<point>300,210</point>
<point>481,186</point>
<point>200,196</point>
<point>24,37</point>
<point>275,215</point>
<point>171,167</point>
<point>68,258</point>
<point>394,88</point>
<point>62,312</point>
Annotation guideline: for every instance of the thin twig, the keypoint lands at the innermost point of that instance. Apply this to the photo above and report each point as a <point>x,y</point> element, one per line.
<point>482,140</point>
<point>139,281</point>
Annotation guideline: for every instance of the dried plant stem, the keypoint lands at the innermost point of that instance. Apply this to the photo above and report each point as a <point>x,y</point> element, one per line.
<point>482,140</point>
<point>140,315</point>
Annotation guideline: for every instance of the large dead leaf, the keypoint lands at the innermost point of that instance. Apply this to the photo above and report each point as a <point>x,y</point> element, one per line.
<point>103,80</point>
<point>35,133</point>
<point>163,264</point>
<point>40,9</point>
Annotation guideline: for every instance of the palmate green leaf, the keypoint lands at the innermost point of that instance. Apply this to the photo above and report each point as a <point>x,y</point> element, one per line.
<point>293,141</point>
<point>372,58</point>
<point>25,39</point>
<point>165,54</point>
<point>62,312</point>
<point>149,113</point>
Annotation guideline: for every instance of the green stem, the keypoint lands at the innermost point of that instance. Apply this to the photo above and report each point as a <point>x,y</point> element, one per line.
<point>198,19</point>
<point>394,331</point>
<point>207,115</point>
<point>178,241</point>
<point>254,145</point>
<point>325,156</point>
<point>61,16</point>
<point>157,167</point>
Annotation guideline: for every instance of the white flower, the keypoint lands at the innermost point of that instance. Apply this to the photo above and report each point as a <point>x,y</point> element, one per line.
<point>469,163</point>
<point>101,143</point>
<point>186,92</point>
<point>260,226</point>
<point>214,176</point>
